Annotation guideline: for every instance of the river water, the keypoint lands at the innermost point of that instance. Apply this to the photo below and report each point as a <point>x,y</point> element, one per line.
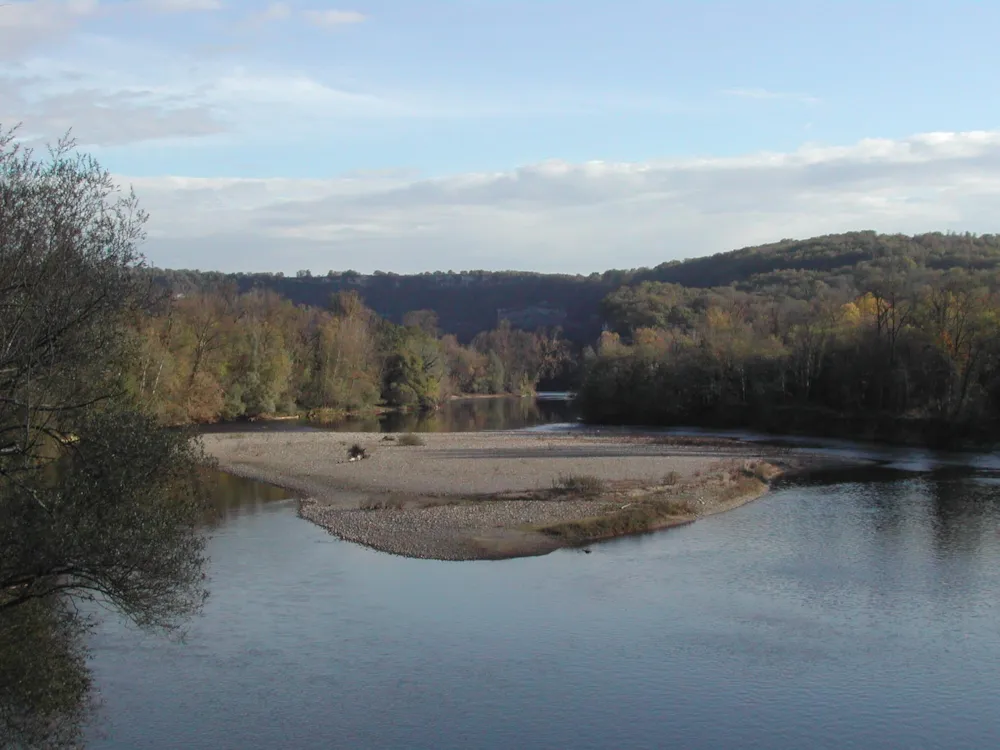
<point>857,611</point>
<point>458,415</point>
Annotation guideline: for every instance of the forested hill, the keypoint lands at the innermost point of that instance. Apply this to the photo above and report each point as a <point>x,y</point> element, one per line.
<point>466,303</point>
<point>474,301</point>
<point>860,335</point>
<point>829,258</point>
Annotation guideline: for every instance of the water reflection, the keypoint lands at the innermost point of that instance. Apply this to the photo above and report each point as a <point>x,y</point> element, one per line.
<point>45,693</point>
<point>232,496</point>
<point>468,415</point>
<point>460,415</point>
<point>853,614</point>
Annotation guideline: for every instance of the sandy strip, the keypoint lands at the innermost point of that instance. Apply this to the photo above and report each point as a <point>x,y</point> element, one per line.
<point>482,495</point>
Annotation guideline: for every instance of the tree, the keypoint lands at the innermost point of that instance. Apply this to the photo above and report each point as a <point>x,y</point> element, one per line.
<point>425,320</point>
<point>96,501</point>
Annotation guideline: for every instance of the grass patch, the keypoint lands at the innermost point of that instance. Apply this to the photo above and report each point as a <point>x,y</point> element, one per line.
<point>580,484</point>
<point>411,438</point>
<point>760,470</point>
<point>637,518</point>
<point>404,501</point>
<point>741,488</point>
<point>382,503</point>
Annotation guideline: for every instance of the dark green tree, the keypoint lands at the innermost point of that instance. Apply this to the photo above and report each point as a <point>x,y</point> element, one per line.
<point>96,500</point>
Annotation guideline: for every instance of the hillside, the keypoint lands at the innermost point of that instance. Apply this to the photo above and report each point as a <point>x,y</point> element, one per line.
<point>859,335</point>
<point>827,258</point>
<point>474,301</point>
<point>466,303</point>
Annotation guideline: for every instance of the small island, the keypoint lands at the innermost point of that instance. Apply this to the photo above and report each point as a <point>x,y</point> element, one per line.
<point>495,495</point>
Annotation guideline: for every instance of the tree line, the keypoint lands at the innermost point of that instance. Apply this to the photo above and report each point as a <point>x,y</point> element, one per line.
<point>468,302</point>
<point>897,350</point>
<point>220,354</point>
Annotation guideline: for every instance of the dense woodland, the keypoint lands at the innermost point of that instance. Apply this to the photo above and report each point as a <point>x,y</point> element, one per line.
<point>860,335</point>
<point>219,354</point>
<point>468,302</point>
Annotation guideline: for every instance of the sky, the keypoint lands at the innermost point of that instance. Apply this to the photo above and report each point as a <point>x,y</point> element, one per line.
<point>554,136</point>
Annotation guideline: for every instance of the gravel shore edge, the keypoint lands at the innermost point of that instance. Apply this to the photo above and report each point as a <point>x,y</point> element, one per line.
<point>498,495</point>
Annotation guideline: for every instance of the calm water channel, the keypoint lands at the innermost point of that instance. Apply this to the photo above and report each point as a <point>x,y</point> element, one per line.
<point>460,415</point>
<point>858,614</point>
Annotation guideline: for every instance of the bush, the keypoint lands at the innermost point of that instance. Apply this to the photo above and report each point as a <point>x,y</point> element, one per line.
<point>580,484</point>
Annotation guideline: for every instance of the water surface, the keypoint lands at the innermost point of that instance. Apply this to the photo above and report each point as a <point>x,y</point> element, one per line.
<point>458,415</point>
<point>857,615</point>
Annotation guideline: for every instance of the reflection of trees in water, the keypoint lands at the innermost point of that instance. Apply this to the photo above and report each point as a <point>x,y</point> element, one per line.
<point>468,415</point>
<point>45,685</point>
<point>964,513</point>
<point>44,682</point>
<point>943,522</point>
<point>232,496</point>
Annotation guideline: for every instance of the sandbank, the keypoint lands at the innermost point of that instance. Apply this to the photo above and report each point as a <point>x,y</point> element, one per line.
<point>491,495</point>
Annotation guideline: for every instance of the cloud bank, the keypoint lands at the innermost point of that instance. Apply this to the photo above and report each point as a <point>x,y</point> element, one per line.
<point>576,218</point>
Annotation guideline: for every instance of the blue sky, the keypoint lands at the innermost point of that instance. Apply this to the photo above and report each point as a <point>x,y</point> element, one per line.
<point>557,136</point>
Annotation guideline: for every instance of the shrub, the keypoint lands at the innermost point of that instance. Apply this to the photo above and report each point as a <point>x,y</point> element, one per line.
<point>580,484</point>
<point>382,503</point>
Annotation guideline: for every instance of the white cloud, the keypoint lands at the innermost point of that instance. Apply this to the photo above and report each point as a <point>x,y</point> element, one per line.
<point>42,14</point>
<point>273,12</point>
<point>166,94</point>
<point>556,216</point>
<point>30,23</point>
<point>181,6</point>
<point>53,99</point>
<point>26,25</point>
<point>333,18</point>
<point>766,94</point>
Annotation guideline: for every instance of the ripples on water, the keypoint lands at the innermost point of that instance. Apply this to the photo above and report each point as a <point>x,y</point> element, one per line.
<point>857,615</point>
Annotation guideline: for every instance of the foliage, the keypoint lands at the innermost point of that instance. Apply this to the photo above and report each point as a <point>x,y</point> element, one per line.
<point>97,501</point>
<point>898,344</point>
<point>465,303</point>
<point>580,484</point>
<point>217,354</point>
<point>113,519</point>
<point>461,303</point>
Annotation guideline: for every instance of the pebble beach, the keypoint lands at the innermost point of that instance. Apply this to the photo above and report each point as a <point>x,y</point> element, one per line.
<point>462,496</point>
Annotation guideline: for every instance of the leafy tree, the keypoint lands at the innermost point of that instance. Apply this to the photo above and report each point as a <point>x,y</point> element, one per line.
<point>96,500</point>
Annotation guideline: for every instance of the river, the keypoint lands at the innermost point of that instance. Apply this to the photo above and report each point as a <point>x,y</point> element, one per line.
<point>457,415</point>
<point>855,611</point>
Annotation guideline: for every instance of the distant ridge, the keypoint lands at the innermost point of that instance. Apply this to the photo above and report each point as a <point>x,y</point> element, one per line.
<point>471,301</point>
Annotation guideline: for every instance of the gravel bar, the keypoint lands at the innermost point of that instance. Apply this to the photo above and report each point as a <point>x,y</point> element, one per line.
<point>462,496</point>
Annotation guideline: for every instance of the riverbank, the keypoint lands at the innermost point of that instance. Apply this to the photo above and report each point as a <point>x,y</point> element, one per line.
<point>810,421</point>
<point>490,495</point>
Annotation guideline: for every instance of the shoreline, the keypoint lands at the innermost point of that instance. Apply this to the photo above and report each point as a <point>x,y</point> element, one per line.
<point>499,495</point>
<point>334,416</point>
